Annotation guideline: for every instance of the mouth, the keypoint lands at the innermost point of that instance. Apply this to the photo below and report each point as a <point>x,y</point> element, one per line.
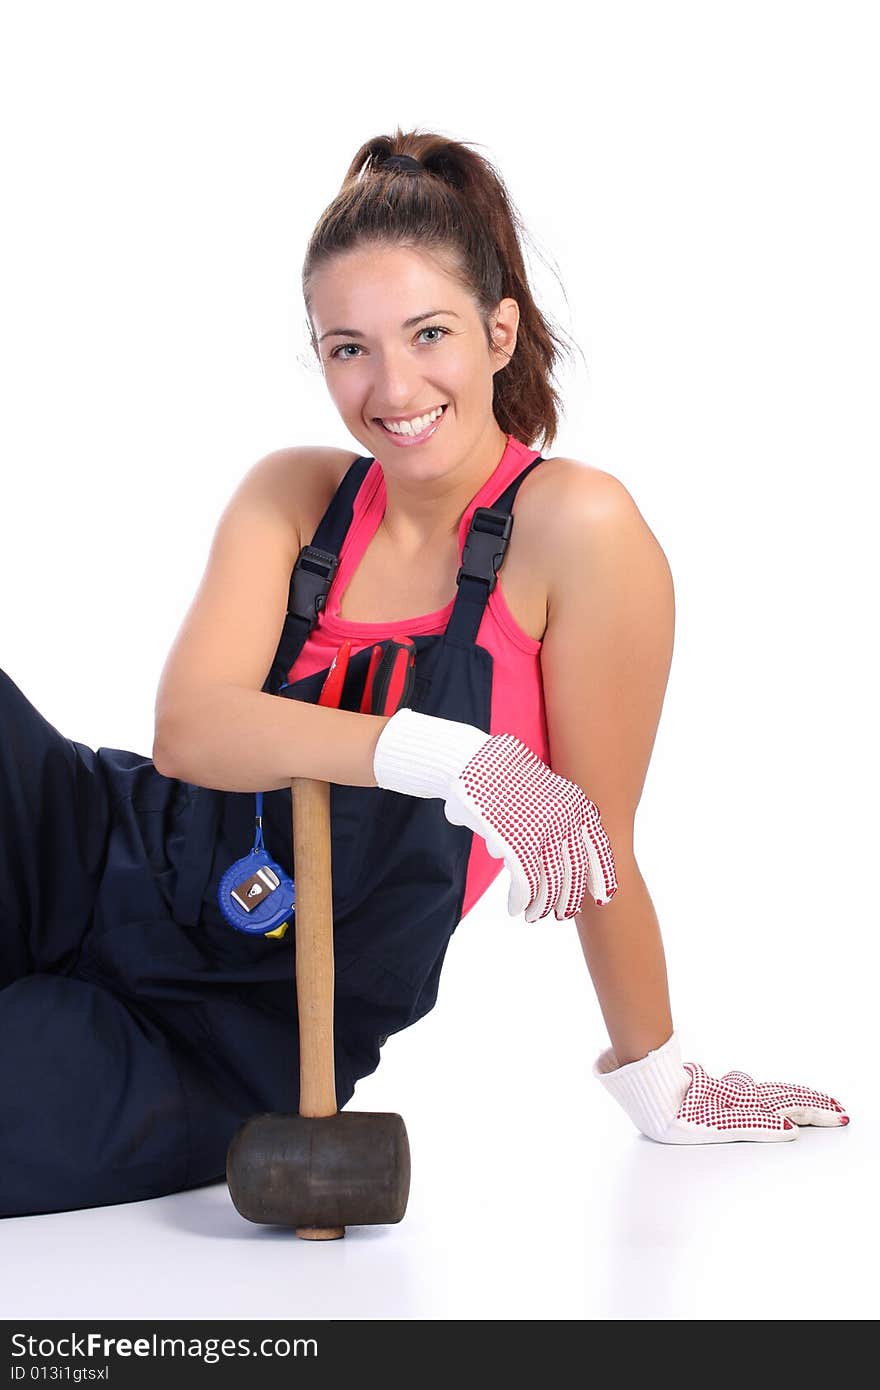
<point>407,437</point>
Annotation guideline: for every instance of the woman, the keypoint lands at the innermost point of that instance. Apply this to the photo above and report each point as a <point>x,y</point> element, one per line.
<point>138,1028</point>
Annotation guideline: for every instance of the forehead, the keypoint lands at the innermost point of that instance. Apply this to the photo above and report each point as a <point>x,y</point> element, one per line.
<point>380,281</point>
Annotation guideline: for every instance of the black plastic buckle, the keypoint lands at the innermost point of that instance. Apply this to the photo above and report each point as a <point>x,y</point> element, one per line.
<point>312,576</point>
<point>485,546</point>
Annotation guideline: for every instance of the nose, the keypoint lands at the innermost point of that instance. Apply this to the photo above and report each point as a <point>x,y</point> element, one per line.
<point>394,386</point>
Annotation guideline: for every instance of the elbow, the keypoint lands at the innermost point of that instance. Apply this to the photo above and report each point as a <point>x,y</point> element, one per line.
<point>160,762</point>
<point>163,760</point>
<point>173,731</point>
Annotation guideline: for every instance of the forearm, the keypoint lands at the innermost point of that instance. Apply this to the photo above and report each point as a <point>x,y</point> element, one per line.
<point>241,740</point>
<point>623,949</point>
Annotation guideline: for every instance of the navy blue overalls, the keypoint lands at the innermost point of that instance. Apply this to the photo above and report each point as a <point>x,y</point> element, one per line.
<point>137,1029</point>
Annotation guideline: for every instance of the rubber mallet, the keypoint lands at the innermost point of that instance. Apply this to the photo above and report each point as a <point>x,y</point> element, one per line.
<point>320,1170</point>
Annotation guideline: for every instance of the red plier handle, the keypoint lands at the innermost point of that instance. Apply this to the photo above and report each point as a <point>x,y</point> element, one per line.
<point>331,690</point>
<point>390,676</point>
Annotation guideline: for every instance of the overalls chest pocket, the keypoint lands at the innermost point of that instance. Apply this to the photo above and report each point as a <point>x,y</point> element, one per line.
<point>399,866</point>
<point>364,821</point>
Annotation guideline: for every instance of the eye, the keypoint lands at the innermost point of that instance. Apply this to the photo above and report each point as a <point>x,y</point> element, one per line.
<point>428,328</point>
<point>434,328</point>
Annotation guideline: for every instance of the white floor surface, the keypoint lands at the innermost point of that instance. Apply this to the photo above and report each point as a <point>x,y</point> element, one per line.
<point>532,1195</point>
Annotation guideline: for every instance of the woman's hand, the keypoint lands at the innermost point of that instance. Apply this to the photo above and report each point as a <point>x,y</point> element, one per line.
<point>680,1103</point>
<point>736,1107</point>
<point>545,828</point>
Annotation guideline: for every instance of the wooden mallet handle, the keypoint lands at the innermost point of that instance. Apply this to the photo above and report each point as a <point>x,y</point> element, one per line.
<point>314,957</point>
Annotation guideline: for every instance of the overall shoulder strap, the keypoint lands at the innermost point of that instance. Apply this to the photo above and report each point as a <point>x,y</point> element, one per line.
<point>313,573</point>
<point>482,557</point>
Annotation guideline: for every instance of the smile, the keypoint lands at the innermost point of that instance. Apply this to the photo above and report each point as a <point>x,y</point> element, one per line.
<point>403,432</point>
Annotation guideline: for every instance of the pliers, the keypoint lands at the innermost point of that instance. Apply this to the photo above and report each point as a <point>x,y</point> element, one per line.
<point>390,677</point>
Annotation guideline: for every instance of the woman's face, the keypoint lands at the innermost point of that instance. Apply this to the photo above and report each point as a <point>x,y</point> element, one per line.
<point>383,364</point>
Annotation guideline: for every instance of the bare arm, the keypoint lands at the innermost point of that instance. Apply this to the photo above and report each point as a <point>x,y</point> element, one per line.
<point>240,740</point>
<point>624,952</point>
<point>605,663</point>
<point>214,725</point>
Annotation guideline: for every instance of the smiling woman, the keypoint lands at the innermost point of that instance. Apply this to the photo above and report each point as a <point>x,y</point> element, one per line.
<point>508,662</point>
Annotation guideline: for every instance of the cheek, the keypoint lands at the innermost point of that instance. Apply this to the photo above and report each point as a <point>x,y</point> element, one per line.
<point>344,394</point>
<point>455,385</point>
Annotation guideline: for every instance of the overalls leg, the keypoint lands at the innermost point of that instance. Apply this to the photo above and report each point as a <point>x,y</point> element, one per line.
<point>91,1103</point>
<point>54,825</point>
<point>92,1109</point>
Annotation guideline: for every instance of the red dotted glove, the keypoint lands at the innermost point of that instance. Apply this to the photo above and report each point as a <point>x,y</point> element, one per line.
<point>735,1103</point>
<point>679,1103</point>
<point>545,828</point>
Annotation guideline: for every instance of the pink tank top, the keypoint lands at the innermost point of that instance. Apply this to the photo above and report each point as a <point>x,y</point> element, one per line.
<point>517,689</point>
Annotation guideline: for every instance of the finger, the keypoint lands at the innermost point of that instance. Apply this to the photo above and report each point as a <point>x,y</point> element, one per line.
<point>816,1107</point>
<point>574,881</point>
<point>521,890</point>
<point>561,908</point>
<point>601,875</point>
<point>815,1115</point>
<point>551,883</point>
<point>746,1123</point>
<point>540,904</point>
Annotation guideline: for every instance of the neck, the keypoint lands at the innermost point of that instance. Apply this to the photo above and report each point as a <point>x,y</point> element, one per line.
<point>426,511</point>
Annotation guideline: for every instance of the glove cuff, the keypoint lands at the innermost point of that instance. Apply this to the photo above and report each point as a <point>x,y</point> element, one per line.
<point>651,1089</point>
<point>422,754</point>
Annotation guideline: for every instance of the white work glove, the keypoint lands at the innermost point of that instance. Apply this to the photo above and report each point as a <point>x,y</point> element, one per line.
<point>545,828</point>
<point>679,1103</point>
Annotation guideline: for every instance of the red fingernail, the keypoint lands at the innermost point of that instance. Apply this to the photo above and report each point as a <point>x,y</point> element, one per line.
<point>844,1119</point>
<point>787,1124</point>
<point>837,1104</point>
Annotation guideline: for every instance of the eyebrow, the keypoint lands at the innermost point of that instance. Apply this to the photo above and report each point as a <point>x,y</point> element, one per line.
<point>407,323</point>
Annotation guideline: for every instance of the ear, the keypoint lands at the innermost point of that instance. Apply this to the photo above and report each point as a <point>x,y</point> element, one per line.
<point>504,322</point>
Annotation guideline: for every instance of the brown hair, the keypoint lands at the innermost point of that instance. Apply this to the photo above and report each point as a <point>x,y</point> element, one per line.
<point>455,203</point>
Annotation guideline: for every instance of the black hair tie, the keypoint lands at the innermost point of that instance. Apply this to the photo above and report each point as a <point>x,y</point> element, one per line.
<point>402,161</point>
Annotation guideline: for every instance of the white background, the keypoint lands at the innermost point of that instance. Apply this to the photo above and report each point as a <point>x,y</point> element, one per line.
<point>702,180</point>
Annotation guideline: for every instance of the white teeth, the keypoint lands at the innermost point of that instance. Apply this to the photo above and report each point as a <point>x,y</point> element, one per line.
<point>421,422</point>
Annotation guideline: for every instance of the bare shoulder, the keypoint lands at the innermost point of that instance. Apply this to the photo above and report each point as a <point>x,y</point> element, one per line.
<point>550,490</point>
<point>586,515</point>
<point>562,482</point>
<point>303,479</point>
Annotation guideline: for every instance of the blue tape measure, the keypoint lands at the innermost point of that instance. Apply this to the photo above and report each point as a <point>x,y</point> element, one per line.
<point>255,895</point>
